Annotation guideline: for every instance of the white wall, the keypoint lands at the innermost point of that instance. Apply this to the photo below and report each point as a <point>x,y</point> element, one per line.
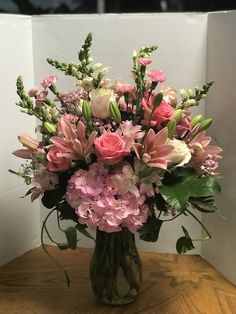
<point>182,55</point>
<point>221,106</point>
<point>19,219</point>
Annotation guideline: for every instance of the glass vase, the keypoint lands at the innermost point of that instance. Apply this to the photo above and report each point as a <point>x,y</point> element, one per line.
<point>115,268</point>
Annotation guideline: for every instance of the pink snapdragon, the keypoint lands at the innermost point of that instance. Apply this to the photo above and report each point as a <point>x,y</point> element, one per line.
<point>48,81</point>
<point>111,148</point>
<point>157,76</point>
<point>144,61</point>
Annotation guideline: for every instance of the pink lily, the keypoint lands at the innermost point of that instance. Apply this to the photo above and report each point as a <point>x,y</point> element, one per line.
<point>155,150</point>
<point>202,151</point>
<point>73,142</point>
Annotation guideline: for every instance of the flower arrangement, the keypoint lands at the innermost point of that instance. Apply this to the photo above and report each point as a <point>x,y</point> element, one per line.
<point>115,155</point>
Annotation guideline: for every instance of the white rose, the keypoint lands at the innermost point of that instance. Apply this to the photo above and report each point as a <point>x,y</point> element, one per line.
<point>181,154</point>
<point>100,101</point>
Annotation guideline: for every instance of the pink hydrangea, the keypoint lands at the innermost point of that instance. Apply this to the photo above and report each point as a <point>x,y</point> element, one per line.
<point>100,200</point>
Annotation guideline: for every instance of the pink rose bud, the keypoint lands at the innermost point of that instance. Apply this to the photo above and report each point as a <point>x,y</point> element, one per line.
<point>157,76</point>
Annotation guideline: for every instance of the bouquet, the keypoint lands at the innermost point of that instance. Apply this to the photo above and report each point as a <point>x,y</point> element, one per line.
<point>117,156</point>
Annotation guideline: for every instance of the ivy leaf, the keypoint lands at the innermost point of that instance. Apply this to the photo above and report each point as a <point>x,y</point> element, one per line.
<point>184,244</point>
<point>204,204</point>
<point>82,229</point>
<point>204,186</point>
<point>150,231</point>
<point>67,212</point>
<point>176,195</point>
<point>52,198</point>
<point>71,236</point>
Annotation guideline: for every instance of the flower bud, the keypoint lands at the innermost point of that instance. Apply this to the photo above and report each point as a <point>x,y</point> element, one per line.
<point>190,93</point>
<point>87,82</point>
<point>97,66</point>
<point>115,112</point>
<point>171,126</point>
<point>190,103</point>
<point>196,120</point>
<point>178,114</point>
<point>28,142</point>
<point>205,124</point>
<point>157,100</point>
<point>50,128</point>
<point>183,94</point>
<point>87,110</point>
<point>104,71</point>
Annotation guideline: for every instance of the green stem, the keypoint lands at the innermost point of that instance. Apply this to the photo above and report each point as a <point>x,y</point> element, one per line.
<point>172,218</point>
<point>204,228</point>
<point>45,249</point>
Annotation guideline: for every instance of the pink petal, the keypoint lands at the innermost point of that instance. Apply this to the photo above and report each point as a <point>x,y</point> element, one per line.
<point>23,153</point>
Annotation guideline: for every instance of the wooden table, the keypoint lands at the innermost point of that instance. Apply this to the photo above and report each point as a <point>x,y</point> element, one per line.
<point>173,284</point>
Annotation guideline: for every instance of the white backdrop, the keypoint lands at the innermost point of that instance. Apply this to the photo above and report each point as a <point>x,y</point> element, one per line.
<point>221,106</point>
<point>182,41</point>
<point>19,219</point>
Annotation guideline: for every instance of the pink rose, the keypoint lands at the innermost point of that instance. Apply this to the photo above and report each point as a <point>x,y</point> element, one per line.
<point>144,61</point>
<point>163,113</point>
<point>56,160</point>
<point>157,76</point>
<point>111,148</point>
<point>48,81</point>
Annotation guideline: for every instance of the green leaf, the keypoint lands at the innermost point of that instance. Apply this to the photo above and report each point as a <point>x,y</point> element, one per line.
<point>176,195</point>
<point>184,244</point>
<point>157,100</point>
<point>52,198</point>
<point>150,230</point>
<point>67,212</point>
<point>82,229</point>
<point>204,204</point>
<point>204,186</point>
<point>71,236</point>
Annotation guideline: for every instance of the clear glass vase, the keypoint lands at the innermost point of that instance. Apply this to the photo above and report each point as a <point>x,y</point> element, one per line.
<point>115,268</point>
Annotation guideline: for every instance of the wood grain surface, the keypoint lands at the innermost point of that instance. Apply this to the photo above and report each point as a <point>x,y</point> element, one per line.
<point>173,284</point>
